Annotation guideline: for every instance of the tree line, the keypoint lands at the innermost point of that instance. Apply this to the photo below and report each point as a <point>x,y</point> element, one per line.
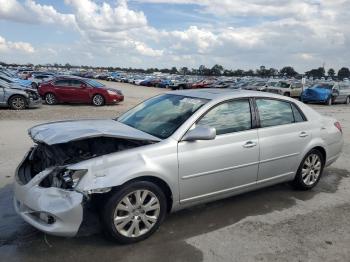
<point>216,70</point>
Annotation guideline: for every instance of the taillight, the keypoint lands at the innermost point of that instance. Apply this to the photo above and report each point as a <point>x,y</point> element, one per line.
<point>337,125</point>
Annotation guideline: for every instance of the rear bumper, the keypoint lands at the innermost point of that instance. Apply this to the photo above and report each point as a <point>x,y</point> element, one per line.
<point>52,210</point>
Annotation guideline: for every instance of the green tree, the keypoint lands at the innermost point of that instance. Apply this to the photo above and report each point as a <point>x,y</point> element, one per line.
<point>217,70</point>
<point>288,71</point>
<point>344,72</point>
<point>331,72</point>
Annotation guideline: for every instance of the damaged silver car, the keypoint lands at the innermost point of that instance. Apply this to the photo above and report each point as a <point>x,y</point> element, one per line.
<point>170,152</point>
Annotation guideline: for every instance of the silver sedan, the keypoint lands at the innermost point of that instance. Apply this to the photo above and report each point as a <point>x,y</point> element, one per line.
<point>170,152</point>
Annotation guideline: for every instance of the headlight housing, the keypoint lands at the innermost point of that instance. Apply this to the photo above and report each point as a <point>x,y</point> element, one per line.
<point>71,178</point>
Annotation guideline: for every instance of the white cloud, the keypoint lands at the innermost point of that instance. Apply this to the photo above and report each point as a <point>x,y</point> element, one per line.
<point>6,46</point>
<point>277,33</point>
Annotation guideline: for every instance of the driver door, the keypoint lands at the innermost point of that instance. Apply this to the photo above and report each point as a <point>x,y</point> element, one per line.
<point>210,168</point>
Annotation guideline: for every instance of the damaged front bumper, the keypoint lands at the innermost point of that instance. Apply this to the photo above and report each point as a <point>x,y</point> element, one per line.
<point>52,210</point>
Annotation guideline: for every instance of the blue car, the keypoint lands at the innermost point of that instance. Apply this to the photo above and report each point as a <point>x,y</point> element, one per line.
<point>329,93</point>
<point>165,83</point>
<point>18,81</point>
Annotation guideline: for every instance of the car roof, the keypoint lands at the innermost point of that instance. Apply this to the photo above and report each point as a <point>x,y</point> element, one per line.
<point>222,94</point>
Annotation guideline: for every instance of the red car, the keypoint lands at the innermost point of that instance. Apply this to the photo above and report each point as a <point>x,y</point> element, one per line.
<point>78,90</point>
<point>202,84</point>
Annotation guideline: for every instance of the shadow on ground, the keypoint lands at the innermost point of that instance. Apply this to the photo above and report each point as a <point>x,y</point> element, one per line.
<point>21,242</point>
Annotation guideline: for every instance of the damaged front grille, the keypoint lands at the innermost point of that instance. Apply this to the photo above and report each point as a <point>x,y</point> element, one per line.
<point>43,156</point>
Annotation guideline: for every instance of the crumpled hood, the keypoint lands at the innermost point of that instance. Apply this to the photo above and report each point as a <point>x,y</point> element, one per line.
<point>66,131</point>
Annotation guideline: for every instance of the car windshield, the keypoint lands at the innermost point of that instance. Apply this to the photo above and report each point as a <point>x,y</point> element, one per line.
<point>162,115</point>
<point>94,83</point>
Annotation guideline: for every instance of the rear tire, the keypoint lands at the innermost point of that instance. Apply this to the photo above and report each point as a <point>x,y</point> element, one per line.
<point>309,171</point>
<point>50,99</point>
<point>98,100</point>
<point>17,102</point>
<point>127,220</point>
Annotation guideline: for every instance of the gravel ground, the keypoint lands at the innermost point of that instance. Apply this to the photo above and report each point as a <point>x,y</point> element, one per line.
<point>272,224</point>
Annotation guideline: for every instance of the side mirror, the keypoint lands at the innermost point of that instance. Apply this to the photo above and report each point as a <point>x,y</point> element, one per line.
<point>200,133</point>
<point>83,85</point>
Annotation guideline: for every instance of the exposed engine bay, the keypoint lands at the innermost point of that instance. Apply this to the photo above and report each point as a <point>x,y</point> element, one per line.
<point>58,156</point>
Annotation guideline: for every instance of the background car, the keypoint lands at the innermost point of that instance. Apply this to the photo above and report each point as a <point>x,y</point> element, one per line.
<point>37,79</point>
<point>327,93</point>
<point>78,90</point>
<point>18,98</point>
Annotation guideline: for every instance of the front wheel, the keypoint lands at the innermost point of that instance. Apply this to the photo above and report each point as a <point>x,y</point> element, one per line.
<point>98,100</point>
<point>134,212</point>
<point>310,170</point>
<point>329,101</point>
<point>17,102</point>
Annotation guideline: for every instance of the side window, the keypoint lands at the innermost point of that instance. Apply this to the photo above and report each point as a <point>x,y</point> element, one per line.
<point>74,83</point>
<point>229,117</point>
<point>298,117</point>
<point>61,83</point>
<point>274,112</point>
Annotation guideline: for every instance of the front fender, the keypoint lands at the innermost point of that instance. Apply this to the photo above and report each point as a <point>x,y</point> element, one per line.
<point>106,172</point>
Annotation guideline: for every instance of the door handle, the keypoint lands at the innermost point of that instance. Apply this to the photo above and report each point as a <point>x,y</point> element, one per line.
<point>249,144</point>
<point>303,134</point>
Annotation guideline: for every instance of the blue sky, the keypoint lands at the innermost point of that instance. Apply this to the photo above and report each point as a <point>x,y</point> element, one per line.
<point>164,33</point>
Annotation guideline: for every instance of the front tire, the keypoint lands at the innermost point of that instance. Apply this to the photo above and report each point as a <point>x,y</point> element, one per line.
<point>98,100</point>
<point>329,101</point>
<point>134,212</point>
<point>309,171</point>
<point>17,102</point>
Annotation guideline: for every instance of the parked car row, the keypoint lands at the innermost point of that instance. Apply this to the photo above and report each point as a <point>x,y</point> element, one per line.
<point>18,94</point>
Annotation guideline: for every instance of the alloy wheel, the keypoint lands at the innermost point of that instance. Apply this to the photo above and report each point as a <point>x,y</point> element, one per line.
<point>18,103</point>
<point>98,100</point>
<point>137,213</point>
<point>311,169</point>
<point>50,99</point>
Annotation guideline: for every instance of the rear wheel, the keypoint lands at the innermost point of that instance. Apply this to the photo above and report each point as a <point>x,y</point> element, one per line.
<point>98,100</point>
<point>134,212</point>
<point>287,94</point>
<point>17,102</point>
<point>310,170</point>
<point>50,99</point>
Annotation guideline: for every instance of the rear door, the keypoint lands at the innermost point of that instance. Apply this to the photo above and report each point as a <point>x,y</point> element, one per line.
<point>283,135</point>
<point>62,90</point>
<point>227,163</point>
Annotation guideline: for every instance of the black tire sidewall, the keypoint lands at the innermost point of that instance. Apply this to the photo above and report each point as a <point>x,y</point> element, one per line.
<point>298,181</point>
<point>109,209</point>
